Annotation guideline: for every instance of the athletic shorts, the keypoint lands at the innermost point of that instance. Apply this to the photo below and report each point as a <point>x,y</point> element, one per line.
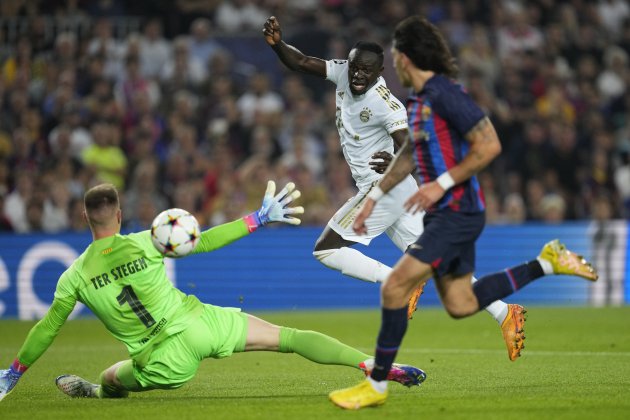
<point>388,216</point>
<point>217,333</point>
<point>448,241</point>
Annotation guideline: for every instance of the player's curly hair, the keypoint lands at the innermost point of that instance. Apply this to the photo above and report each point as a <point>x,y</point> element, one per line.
<point>425,46</point>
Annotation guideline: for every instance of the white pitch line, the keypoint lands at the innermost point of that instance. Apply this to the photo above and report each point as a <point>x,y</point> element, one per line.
<point>527,352</point>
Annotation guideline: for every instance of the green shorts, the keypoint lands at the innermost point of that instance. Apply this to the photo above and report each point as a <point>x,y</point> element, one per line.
<point>217,333</point>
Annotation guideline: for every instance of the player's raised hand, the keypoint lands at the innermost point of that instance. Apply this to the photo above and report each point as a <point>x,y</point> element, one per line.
<point>380,166</point>
<point>8,379</point>
<point>275,207</point>
<point>272,31</point>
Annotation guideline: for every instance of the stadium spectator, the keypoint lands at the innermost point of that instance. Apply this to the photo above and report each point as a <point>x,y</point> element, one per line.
<point>104,159</point>
<point>259,100</point>
<point>155,50</point>
<point>184,71</point>
<point>16,201</point>
<point>202,44</point>
<point>239,15</point>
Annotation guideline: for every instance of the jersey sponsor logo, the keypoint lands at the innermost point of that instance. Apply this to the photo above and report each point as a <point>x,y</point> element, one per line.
<point>365,114</point>
<point>155,331</point>
<point>119,272</point>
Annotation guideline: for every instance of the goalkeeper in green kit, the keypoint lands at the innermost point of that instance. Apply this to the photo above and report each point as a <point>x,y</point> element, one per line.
<point>122,279</point>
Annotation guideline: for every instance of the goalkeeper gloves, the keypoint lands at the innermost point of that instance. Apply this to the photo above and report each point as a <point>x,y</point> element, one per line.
<point>275,208</point>
<point>10,377</point>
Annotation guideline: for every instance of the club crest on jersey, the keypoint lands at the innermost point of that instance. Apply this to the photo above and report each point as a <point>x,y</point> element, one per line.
<point>426,112</point>
<point>365,114</point>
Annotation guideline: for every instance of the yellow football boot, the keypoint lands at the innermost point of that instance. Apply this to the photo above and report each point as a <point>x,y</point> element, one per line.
<point>359,396</point>
<point>564,261</point>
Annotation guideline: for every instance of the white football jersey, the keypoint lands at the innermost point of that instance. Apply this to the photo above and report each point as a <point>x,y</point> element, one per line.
<point>364,122</point>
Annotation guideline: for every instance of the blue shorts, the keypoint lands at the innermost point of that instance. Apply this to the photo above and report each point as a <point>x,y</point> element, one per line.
<point>448,241</point>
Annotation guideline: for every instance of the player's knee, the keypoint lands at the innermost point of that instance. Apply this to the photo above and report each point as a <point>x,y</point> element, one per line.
<point>108,377</point>
<point>393,290</point>
<point>322,254</point>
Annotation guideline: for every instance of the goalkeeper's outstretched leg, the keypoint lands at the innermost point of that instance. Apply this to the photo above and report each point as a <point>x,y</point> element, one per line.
<point>320,348</point>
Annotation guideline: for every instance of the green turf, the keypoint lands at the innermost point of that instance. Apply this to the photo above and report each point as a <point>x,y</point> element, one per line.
<point>576,365</point>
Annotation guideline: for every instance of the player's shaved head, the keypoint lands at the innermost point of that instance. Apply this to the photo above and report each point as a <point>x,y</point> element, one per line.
<point>101,205</point>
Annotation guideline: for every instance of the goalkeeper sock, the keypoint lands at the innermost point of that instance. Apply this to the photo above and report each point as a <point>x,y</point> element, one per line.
<point>319,348</point>
<point>499,285</point>
<point>498,309</point>
<point>354,264</point>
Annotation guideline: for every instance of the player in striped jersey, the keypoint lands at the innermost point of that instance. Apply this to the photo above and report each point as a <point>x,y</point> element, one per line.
<point>452,141</point>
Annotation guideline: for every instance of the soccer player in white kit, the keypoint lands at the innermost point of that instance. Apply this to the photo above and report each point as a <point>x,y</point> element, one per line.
<point>371,122</point>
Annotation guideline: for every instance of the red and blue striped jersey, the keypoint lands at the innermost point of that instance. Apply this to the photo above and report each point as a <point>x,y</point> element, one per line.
<point>440,115</point>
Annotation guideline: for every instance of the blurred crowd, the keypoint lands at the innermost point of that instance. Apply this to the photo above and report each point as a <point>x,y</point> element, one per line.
<point>182,104</point>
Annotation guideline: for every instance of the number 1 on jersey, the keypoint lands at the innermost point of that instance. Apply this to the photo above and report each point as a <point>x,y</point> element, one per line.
<point>129,296</point>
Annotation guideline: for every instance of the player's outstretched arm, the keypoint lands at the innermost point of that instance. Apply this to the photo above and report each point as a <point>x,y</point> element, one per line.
<point>290,56</point>
<point>275,208</point>
<point>37,342</point>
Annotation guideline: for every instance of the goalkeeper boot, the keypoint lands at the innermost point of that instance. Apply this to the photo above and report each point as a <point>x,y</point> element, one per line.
<point>513,332</point>
<point>359,396</point>
<point>76,387</point>
<point>403,374</point>
<point>564,261</point>
<point>413,300</point>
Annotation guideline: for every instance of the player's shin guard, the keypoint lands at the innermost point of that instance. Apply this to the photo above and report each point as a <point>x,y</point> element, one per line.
<point>393,328</point>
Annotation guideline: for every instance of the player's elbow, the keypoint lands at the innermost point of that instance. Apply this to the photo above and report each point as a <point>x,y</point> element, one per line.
<point>496,148</point>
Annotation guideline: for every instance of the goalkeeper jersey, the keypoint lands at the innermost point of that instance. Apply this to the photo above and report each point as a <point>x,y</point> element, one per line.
<point>122,279</point>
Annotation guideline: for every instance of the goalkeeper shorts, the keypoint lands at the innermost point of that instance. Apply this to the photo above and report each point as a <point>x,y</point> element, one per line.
<point>217,333</point>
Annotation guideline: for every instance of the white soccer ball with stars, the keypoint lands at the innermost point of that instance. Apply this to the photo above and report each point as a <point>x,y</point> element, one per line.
<point>175,233</point>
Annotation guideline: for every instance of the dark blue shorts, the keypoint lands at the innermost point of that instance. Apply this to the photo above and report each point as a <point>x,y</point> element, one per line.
<point>448,241</point>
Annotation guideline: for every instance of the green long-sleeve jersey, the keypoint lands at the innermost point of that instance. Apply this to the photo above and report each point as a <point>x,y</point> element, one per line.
<point>122,279</point>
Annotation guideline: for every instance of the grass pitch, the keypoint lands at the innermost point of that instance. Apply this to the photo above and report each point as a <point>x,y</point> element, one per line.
<point>576,365</point>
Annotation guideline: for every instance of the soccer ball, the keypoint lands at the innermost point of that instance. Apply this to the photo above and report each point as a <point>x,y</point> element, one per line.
<point>175,233</point>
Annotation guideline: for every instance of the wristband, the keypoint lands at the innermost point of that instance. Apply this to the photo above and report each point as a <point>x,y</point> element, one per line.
<point>446,181</point>
<point>18,367</point>
<point>375,193</point>
<point>252,221</point>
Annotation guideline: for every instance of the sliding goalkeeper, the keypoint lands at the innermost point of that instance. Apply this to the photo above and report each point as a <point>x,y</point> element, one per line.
<point>122,279</point>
